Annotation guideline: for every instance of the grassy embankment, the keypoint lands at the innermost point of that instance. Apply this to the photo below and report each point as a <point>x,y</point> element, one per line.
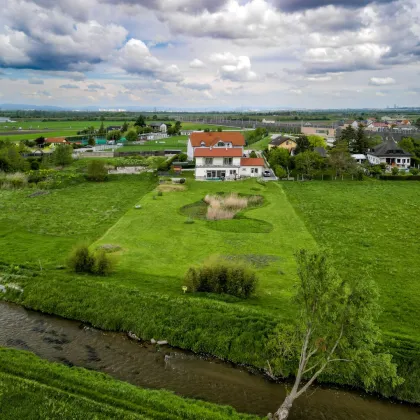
<point>31,388</point>
<point>144,295</point>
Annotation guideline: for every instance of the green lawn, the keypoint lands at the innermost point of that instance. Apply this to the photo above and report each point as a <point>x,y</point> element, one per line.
<point>31,388</point>
<point>177,142</point>
<point>42,229</point>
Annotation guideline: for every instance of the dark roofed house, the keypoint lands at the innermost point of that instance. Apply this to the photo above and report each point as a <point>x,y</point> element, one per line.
<point>391,153</point>
<point>113,128</point>
<point>159,126</point>
<point>282,142</point>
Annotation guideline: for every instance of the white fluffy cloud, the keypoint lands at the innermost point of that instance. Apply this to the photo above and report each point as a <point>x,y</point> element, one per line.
<point>381,81</point>
<point>236,69</point>
<point>196,64</point>
<point>135,58</point>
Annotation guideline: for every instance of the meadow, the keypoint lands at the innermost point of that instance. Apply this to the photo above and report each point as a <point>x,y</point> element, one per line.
<point>365,226</point>
<point>176,142</point>
<point>32,388</point>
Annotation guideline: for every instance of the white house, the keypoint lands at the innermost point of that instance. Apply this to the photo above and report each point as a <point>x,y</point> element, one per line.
<point>391,154</point>
<point>359,158</point>
<point>377,126</point>
<point>227,139</point>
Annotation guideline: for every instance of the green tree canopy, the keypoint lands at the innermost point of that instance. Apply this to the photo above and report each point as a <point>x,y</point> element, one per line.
<point>62,155</point>
<point>279,156</point>
<point>302,144</point>
<point>334,332</point>
<point>317,141</point>
<point>307,162</point>
<point>114,135</point>
<point>131,135</point>
<point>140,121</point>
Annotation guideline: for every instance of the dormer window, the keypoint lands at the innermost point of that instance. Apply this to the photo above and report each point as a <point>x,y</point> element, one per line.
<point>203,143</point>
<point>220,144</point>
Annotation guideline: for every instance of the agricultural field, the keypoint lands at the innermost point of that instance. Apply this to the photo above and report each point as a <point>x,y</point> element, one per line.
<point>32,388</point>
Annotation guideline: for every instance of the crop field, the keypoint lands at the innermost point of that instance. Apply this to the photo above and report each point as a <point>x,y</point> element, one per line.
<point>31,388</point>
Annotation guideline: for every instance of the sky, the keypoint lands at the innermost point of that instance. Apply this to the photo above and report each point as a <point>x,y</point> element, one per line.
<point>210,53</point>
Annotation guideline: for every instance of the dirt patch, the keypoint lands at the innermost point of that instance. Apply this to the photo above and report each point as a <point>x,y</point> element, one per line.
<point>171,187</point>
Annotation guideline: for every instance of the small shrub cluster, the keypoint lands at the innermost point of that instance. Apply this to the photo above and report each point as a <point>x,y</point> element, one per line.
<point>13,181</point>
<point>222,277</point>
<point>82,260</point>
<point>97,171</point>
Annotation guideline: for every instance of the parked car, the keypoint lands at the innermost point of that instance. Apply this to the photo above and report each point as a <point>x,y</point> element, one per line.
<point>266,174</point>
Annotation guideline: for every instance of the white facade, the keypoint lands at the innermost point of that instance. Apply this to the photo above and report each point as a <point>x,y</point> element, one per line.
<point>217,167</point>
<point>359,158</point>
<point>163,128</point>
<point>399,162</point>
<point>252,171</point>
<point>191,148</point>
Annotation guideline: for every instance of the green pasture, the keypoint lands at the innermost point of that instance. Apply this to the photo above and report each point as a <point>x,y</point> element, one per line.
<point>32,388</point>
<point>370,229</point>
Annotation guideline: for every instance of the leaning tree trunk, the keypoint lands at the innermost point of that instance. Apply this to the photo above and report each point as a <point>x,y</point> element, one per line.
<point>283,412</point>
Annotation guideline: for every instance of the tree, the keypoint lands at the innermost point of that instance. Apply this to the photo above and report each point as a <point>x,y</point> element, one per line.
<point>114,135</point>
<point>40,141</point>
<point>361,142</point>
<point>97,171</point>
<point>131,135</point>
<point>102,131</point>
<point>302,144</point>
<point>348,136</point>
<point>124,127</point>
<point>154,118</point>
<point>335,332</point>
<point>62,154</point>
<point>279,156</point>
<point>91,141</point>
<point>417,123</point>
<point>339,158</point>
<point>307,162</point>
<point>219,129</point>
<point>253,154</point>
<point>140,121</point>
<point>317,141</point>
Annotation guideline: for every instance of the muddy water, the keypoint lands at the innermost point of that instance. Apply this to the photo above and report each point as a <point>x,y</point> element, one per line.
<point>187,375</point>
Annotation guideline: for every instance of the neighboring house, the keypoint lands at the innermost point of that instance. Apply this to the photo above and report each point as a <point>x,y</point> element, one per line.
<point>55,140</point>
<point>327,132</point>
<point>391,154</point>
<point>227,139</point>
<point>283,143</point>
<point>377,126</point>
<point>359,158</point>
<point>113,128</point>
<point>159,126</point>
<point>6,120</point>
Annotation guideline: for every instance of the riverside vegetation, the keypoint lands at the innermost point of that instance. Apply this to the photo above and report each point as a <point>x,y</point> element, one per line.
<point>144,294</point>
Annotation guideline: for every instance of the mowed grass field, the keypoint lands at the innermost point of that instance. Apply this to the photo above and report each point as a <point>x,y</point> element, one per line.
<point>176,142</point>
<point>370,229</point>
<point>157,243</point>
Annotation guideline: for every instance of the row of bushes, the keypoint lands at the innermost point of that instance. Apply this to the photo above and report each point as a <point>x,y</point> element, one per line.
<point>400,177</point>
<point>82,260</point>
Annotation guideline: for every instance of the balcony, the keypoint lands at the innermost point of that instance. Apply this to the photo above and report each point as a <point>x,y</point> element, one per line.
<point>212,165</point>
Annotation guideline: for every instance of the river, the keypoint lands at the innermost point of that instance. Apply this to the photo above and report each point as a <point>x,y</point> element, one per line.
<point>188,375</point>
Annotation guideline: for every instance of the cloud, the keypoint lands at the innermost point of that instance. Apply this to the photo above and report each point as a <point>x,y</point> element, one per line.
<point>273,75</point>
<point>73,75</point>
<point>135,58</point>
<point>296,91</point>
<point>294,5</point>
<point>196,64</point>
<point>40,93</point>
<point>379,93</point>
<point>381,81</point>
<point>96,86</point>
<point>318,78</point>
<point>236,69</point>
<point>38,37</point>
<point>69,86</point>
<point>33,81</point>
<point>195,86</point>
<point>153,88</point>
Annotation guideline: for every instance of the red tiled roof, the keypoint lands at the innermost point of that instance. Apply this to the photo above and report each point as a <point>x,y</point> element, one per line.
<point>55,140</point>
<point>210,139</point>
<point>252,162</point>
<point>217,152</point>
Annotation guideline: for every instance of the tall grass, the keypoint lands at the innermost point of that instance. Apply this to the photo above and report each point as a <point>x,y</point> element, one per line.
<point>12,181</point>
<point>223,207</point>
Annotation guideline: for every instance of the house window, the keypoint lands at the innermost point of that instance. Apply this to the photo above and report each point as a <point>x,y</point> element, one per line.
<point>220,144</point>
<point>398,160</point>
<point>254,170</point>
<point>227,161</point>
<point>232,172</point>
<point>208,161</point>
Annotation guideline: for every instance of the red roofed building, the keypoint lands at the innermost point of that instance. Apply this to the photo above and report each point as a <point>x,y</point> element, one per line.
<point>223,159</point>
<point>56,140</point>
<point>229,139</point>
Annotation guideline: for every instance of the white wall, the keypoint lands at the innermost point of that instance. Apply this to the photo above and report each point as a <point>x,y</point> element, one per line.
<point>247,171</point>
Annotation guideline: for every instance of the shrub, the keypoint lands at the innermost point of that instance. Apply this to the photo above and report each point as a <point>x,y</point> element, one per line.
<point>279,171</point>
<point>395,171</point>
<point>13,181</point>
<point>62,155</point>
<point>414,171</point>
<point>81,259</point>
<point>97,171</point>
<point>103,263</point>
<point>160,193</point>
<point>220,276</point>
